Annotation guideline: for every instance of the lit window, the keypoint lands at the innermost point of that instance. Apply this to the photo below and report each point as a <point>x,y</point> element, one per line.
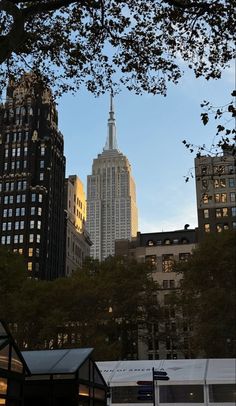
<point>167,262</point>
<point>41,176</point>
<point>30,252</point>
<point>206,213</point>
<point>207,228</point>
<point>219,228</point>
<point>225,212</point>
<point>205,198</point>
<point>223,197</point>
<point>150,243</point>
<point>30,266</point>
<point>31,238</point>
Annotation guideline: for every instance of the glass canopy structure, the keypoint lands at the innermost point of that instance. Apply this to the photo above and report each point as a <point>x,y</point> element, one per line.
<point>12,370</point>
<point>63,377</point>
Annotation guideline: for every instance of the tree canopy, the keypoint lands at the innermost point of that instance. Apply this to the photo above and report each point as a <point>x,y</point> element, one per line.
<point>101,305</point>
<point>141,44</point>
<point>208,296</point>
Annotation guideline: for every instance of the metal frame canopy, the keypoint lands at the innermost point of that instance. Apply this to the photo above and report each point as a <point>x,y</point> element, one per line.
<point>12,369</point>
<point>63,377</point>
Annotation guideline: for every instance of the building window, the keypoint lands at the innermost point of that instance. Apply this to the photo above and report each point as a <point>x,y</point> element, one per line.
<point>184,256</point>
<point>165,284</point>
<point>206,213</point>
<point>167,262</point>
<point>234,225</point>
<point>221,212</point>
<point>220,197</point>
<point>232,197</point>
<point>204,184</point>
<point>219,169</point>
<point>207,228</point>
<point>233,210</point>
<point>205,198</point>
<point>30,252</point>
<point>219,228</point>
<point>151,260</point>
<point>31,238</point>
<point>30,266</point>
<point>41,176</point>
<point>150,243</point>
<point>231,182</point>
<point>219,183</point>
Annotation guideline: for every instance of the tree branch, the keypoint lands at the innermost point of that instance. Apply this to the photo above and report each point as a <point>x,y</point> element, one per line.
<point>11,41</point>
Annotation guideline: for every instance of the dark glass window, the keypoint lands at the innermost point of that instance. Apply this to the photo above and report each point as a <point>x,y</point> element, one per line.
<point>127,394</point>
<point>181,394</point>
<point>222,393</point>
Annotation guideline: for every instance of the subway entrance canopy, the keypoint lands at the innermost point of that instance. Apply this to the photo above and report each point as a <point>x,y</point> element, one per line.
<point>63,377</point>
<point>12,370</point>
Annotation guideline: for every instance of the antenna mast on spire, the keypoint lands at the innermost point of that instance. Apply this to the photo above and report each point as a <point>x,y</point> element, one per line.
<point>111,142</point>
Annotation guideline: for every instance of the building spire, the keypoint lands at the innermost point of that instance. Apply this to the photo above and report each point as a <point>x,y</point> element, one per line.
<point>111,142</point>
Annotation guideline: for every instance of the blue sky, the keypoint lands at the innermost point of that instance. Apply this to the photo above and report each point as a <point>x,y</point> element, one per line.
<point>150,130</point>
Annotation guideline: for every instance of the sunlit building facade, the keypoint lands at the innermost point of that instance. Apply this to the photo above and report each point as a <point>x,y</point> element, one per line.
<point>111,197</point>
<point>77,246</point>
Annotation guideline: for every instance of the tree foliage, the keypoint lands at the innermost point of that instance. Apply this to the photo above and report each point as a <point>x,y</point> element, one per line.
<point>101,305</point>
<point>208,295</point>
<point>139,43</point>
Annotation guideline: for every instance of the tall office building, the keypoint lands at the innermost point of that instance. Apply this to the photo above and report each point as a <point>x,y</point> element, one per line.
<point>77,238</point>
<point>216,191</point>
<point>32,174</point>
<point>111,198</point>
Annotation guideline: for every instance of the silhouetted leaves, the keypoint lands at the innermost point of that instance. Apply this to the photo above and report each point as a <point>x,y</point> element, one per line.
<point>107,43</point>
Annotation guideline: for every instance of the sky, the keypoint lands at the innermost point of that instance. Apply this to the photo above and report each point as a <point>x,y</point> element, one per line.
<point>150,131</point>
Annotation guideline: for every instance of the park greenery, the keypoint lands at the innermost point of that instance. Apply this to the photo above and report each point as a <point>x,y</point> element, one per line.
<point>107,305</point>
<point>208,297</point>
<point>141,44</point>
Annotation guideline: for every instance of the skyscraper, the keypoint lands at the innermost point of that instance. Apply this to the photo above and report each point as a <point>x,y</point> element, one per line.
<point>32,173</point>
<point>111,197</point>
<point>77,239</point>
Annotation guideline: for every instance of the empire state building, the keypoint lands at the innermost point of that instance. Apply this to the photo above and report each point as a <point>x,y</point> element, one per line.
<point>111,197</point>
